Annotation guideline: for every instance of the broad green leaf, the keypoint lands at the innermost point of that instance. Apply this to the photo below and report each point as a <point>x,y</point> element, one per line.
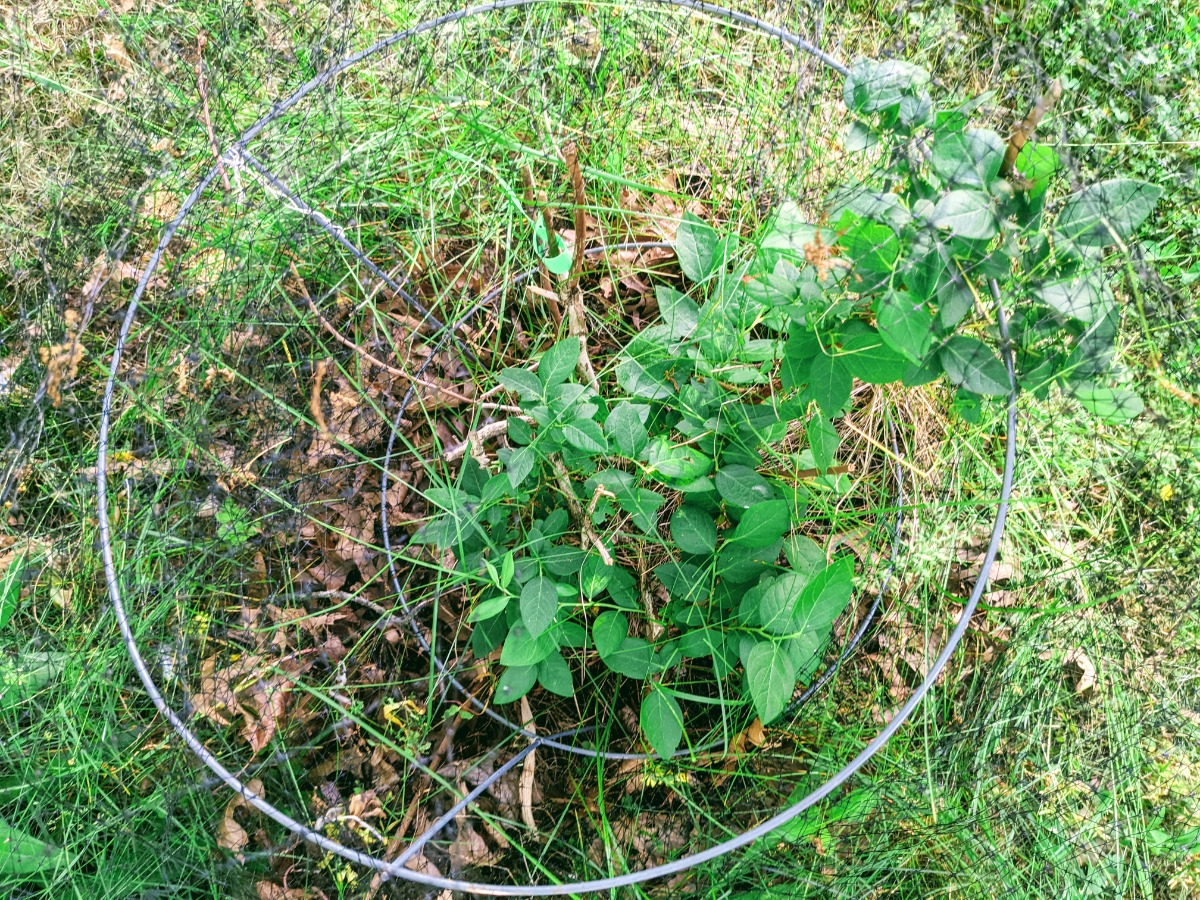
<point>490,607</point>
<point>609,631</point>
<point>966,214</point>
<point>830,383</point>
<point>696,246</point>
<point>1110,404</point>
<point>558,363</point>
<point>520,464</point>
<point>1038,163</point>
<point>1083,296</point>
<point>594,576</point>
<point>860,138</point>
<point>693,530</point>
<point>642,505</point>
<point>1122,203</point>
<point>23,676</point>
<point>634,659</point>
<point>971,157</point>
<point>873,86</point>
<point>822,440</point>
<point>539,604</point>
<point>673,463</point>
<point>824,598</point>
<point>684,581</point>
<point>763,524</point>
<point>742,486</point>
<point>554,675</point>
<point>524,649</point>
<point>626,426</point>
<point>872,248</point>
<point>585,435</point>
<point>22,854</point>
<point>10,587</point>
<point>867,203</point>
<point>905,325</point>
<point>515,682</point>
<point>954,299</point>
<point>777,603</point>
<point>561,560</point>
<point>771,678</point>
<point>804,555</point>
<point>678,311</point>
<point>969,363</point>
<point>868,358</point>
<point>523,383</point>
<point>662,721</point>
<point>795,368</point>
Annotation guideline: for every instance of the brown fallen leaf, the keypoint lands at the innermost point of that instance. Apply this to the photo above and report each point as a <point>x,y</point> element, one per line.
<point>1077,657</point>
<point>231,835</point>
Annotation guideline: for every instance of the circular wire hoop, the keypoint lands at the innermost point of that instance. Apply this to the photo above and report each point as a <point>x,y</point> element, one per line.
<point>240,154</point>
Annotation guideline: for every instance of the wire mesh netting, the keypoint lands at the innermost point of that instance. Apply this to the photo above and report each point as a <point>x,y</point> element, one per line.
<point>338,264</point>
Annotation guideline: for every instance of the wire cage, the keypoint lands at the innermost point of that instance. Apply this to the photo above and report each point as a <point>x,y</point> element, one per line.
<point>316,335</point>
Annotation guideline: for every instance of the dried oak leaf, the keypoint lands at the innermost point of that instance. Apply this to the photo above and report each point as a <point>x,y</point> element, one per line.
<point>231,835</point>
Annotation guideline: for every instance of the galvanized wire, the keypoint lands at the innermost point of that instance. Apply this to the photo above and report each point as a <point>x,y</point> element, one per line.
<point>239,153</point>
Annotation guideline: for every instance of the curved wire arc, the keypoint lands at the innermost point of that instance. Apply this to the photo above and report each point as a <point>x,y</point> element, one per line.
<point>393,869</point>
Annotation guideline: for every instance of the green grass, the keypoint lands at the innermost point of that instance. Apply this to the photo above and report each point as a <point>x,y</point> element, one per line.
<point>1008,780</point>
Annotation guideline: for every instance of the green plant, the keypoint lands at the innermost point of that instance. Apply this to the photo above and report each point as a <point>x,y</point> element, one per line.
<point>770,339</point>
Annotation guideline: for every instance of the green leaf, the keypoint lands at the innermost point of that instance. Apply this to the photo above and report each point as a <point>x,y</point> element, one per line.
<point>594,576</point>
<point>609,631</point>
<point>539,604</point>
<point>822,440</point>
<point>905,325</point>
<point>830,383</point>
<point>643,505</point>
<point>966,214</point>
<point>554,675</point>
<point>585,435</point>
<point>634,658</point>
<point>969,363</point>
<point>868,358</point>
<point>1084,296</point>
<point>1038,163</point>
<point>626,426</point>
<point>515,682</point>
<point>23,676</point>
<point>523,383</point>
<point>824,598</point>
<point>524,649</point>
<point>777,602</point>
<point>1122,203</point>
<point>674,464</point>
<point>24,855</point>
<point>971,157</point>
<point>771,678</point>
<point>875,86</point>
<point>743,487</point>
<point>662,721</point>
<point>873,249</point>
<point>693,530</point>
<point>1110,404</point>
<point>860,138</point>
<point>519,465</point>
<point>804,555</point>
<point>763,524</point>
<point>490,607</point>
<point>696,247</point>
<point>558,363</point>
<point>10,588</point>
<point>678,311</point>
